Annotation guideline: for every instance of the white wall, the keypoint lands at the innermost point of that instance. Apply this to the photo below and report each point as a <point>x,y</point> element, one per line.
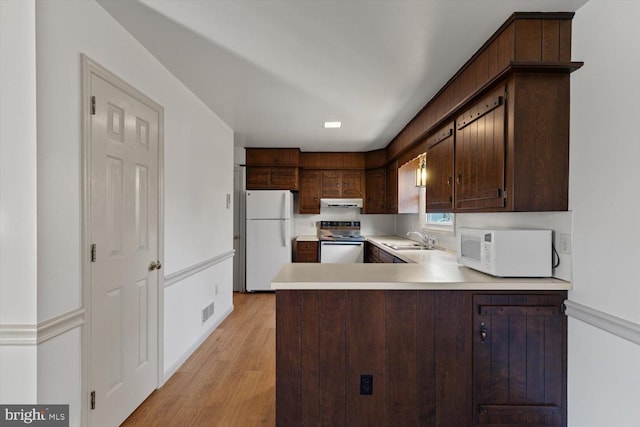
<point>198,175</point>
<point>183,304</point>
<point>239,156</point>
<point>18,245</point>
<point>604,370</point>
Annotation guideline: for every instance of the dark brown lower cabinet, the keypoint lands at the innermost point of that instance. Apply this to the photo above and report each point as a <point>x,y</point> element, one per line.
<point>373,254</point>
<point>518,362</point>
<point>415,358</point>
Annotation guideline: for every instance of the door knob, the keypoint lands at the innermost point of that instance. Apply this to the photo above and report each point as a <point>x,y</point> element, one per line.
<point>155,265</point>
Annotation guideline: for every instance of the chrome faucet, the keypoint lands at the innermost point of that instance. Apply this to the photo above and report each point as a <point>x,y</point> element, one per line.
<point>426,240</point>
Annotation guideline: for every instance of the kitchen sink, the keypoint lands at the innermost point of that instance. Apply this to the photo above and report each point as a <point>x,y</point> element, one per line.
<point>406,246</point>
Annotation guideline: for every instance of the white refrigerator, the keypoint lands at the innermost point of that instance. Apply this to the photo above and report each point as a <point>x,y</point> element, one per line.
<point>268,230</point>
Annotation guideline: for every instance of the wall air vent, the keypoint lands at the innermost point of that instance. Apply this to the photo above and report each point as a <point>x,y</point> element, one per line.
<point>207,312</point>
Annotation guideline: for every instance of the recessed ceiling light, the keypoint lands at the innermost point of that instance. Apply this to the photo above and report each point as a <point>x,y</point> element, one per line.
<point>332,125</point>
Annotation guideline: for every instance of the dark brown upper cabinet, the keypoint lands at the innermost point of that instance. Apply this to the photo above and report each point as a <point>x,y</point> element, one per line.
<point>310,191</point>
<point>440,178</point>
<point>480,154</point>
<point>508,150</point>
<point>392,187</point>
<point>342,183</point>
<point>272,168</point>
<point>376,189</point>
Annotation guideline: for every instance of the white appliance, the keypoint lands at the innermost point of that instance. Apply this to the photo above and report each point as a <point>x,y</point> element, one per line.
<point>341,203</point>
<point>341,252</point>
<point>269,216</point>
<point>340,242</point>
<point>506,252</point>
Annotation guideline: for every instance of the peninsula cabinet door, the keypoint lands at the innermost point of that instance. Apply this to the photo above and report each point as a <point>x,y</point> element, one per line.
<point>520,360</point>
<point>480,155</point>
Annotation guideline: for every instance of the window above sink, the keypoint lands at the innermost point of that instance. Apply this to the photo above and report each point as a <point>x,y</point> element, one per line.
<point>440,222</point>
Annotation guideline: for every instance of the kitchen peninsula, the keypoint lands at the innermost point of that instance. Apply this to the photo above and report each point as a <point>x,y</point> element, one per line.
<point>431,343</point>
<point>418,344</point>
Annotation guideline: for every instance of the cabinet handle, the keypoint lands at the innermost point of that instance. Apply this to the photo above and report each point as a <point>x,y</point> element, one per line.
<point>459,179</point>
<point>483,332</point>
<point>449,181</point>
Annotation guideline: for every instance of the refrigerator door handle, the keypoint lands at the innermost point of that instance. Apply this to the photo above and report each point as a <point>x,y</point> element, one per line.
<point>283,229</point>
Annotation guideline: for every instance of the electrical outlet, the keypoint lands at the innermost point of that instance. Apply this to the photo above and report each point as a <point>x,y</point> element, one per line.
<point>565,243</point>
<point>366,385</point>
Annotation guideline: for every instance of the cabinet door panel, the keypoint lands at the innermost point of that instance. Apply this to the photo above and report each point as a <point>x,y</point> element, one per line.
<point>440,176</point>
<point>284,178</point>
<point>480,155</point>
<point>392,188</point>
<point>258,178</point>
<point>519,355</point>
<point>352,182</point>
<point>310,182</point>
<point>331,183</point>
<point>384,257</point>
<point>375,190</point>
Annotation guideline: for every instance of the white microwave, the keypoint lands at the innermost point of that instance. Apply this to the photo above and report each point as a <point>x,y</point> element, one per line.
<point>506,252</point>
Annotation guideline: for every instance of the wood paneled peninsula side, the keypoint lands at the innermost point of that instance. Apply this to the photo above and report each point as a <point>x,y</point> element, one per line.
<point>431,344</point>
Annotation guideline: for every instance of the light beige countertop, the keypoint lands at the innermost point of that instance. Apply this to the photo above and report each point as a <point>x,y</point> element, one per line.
<point>429,269</point>
<point>412,256</point>
<point>307,238</point>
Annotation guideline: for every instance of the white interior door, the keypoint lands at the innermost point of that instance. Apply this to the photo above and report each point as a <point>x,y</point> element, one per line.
<point>123,216</point>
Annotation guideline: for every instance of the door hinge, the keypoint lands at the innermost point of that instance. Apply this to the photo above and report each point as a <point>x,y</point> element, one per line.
<point>93,105</point>
<point>93,400</point>
<point>93,252</point>
<point>504,193</point>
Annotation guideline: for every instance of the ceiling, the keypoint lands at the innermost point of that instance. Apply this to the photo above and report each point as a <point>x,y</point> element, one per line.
<point>275,71</point>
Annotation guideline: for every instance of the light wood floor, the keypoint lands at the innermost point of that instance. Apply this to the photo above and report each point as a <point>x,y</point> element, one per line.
<point>229,380</point>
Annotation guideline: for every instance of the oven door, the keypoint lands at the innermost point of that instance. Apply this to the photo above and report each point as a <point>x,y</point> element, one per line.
<point>341,252</point>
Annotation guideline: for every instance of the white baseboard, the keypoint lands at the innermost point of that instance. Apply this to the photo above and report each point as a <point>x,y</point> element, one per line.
<point>615,325</point>
<point>174,368</point>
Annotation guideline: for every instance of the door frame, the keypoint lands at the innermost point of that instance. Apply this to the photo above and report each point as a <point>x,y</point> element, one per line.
<point>90,67</point>
<point>239,283</point>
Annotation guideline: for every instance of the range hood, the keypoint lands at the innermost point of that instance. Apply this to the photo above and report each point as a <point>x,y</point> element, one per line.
<point>341,203</point>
